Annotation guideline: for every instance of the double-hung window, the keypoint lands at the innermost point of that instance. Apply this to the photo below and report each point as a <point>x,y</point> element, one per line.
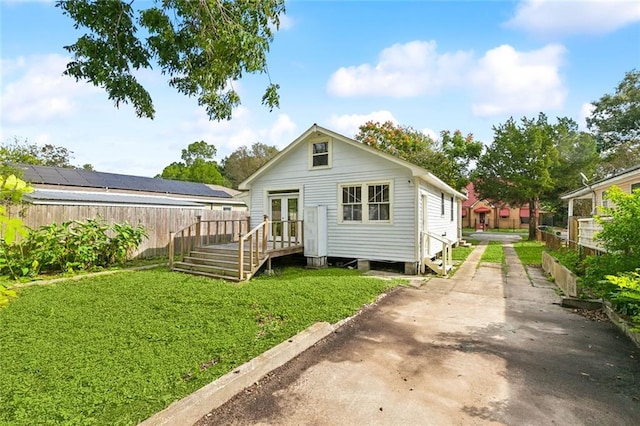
<point>320,154</point>
<point>365,203</point>
<point>352,203</point>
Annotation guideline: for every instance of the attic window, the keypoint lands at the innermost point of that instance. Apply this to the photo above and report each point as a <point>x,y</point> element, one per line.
<point>320,155</point>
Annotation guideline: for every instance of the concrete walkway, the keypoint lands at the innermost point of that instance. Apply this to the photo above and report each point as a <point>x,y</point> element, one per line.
<point>484,347</point>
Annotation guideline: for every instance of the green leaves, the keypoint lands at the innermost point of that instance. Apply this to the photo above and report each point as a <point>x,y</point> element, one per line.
<point>448,159</point>
<point>70,246</point>
<point>201,46</point>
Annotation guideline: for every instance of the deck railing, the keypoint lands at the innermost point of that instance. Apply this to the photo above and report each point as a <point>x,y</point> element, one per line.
<point>205,232</point>
<point>255,242</point>
<point>587,230</point>
<point>294,234</point>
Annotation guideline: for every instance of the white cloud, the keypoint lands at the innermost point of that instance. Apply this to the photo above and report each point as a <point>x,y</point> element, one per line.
<point>586,110</point>
<point>41,93</point>
<point>432,134</point>
<point>281,133</point>
<point>555,17</point>
<point>349,125</point>
<point>506,81</point>
<point>286,22</point>
<point>403,70</point>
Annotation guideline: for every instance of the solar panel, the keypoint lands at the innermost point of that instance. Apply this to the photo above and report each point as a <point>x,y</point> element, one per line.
<point>91,179</point>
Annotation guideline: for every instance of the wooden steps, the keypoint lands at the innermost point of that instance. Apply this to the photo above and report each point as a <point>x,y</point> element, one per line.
<point>218,262</point>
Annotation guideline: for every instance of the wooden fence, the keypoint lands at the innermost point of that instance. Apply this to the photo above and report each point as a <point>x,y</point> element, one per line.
<point>158,221</point>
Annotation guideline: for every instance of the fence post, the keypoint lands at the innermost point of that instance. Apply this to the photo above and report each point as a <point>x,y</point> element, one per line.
<point>172,237</point>
<point>198,231</point>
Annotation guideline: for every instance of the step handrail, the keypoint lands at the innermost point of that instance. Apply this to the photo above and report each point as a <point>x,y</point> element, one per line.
<point>447,258</point>
<point>191,236</point>
<point>253,237</point>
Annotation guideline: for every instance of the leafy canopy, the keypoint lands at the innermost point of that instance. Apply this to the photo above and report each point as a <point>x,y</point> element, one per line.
<point>202,46</point>
<point>244,161</point>
<point>197,165</point>
<point>448,159</point>
<point>615,121</point>
<point>22,152</point>
<point>516,167</point>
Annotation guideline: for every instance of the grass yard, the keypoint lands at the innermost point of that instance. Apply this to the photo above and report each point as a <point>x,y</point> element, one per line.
<point>459,254</point>
<point>529,252</point>
<point>493,253</point>
<point>116,349</point>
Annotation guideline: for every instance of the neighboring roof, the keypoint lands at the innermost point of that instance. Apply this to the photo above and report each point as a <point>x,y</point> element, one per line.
<point>415,170</point>
<point>56,196</point>
<point>90,179</point>
<point>472,196</point>
<point>611,180</point>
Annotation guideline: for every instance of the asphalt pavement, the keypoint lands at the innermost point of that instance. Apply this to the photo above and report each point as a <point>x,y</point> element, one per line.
<point>487,346</point>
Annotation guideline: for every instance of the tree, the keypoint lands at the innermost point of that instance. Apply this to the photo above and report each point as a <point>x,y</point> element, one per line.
<point>516,167</point>
<point>620,224</point>
<point>202,46</point>
<point>243,162</point>
<point>615,121</point>
<point>197,166</point>
<point>460,152</point>
<point>448,159</point>
<point>22,152</point>
<point>577,154</point>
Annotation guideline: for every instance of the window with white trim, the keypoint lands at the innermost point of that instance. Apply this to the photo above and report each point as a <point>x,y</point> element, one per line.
<point>320,154</point>
<point>365,203</point>
<point>379,204</point>
<point>352,204</point>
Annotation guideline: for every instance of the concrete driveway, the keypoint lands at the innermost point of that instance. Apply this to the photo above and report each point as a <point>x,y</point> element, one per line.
<point>484,347</point>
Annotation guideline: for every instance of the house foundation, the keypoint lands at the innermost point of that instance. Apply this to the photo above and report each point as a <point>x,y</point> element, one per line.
<point>316,262</point>
<point>364,265</point>
<point>410,268</point>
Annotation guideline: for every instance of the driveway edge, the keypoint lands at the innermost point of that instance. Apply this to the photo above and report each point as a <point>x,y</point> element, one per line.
<point>191,408</point>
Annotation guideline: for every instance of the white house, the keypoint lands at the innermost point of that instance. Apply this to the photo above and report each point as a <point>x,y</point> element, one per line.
<point>585,202</point>
<point>357,203</point>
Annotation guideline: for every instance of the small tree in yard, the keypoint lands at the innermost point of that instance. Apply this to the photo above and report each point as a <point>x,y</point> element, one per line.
<point>621,223</point>
<point>11,191</point>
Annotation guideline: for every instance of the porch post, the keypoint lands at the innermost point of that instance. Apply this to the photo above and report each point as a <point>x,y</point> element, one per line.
<point>172,236</point>
<point>198,231</point>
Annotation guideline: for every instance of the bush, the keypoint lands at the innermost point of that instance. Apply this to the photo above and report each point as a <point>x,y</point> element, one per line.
<point>626,297</point>
<point>70,246</point>
<point>597,268</point>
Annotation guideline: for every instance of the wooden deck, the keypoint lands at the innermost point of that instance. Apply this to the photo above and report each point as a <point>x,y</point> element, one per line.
<point>273,250</point>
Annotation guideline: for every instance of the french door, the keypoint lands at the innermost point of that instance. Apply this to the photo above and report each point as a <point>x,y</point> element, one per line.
<point>283,213</point>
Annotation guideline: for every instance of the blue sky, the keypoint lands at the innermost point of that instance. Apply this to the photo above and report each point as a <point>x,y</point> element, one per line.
<point>431,65</point>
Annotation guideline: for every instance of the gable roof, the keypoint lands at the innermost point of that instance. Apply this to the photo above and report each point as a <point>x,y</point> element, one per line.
<point>81,178</point>
<point>318,130</point>
<point>611,180</point>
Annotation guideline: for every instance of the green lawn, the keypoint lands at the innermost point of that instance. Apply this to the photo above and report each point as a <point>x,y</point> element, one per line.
<point>468,231</point>
<point>493,253</point>
<point>529,252</point>
<point>116,349</point>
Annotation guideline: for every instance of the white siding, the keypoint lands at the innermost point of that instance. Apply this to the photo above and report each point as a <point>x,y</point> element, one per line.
<point>395,241</point>
<point>438,223</point>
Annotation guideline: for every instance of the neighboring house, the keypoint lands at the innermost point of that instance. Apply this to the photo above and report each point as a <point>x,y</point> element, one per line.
<point>482,214</point>
<point>584,203</point>
<point>161,205</point>
<point>357,203</point>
